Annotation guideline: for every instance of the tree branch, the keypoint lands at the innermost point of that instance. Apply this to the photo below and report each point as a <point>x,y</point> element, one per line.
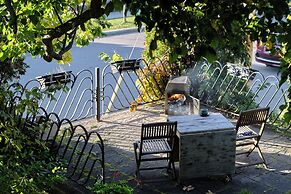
<point>58,15</point>
<point>95,11</point>
<point>69,46</point>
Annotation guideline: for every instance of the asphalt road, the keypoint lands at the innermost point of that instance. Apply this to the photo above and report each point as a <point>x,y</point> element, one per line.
<point>87,57</point>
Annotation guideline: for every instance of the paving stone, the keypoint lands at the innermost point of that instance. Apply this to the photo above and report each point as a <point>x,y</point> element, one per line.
<point>244,183</point>
<point>251,172</point>
<point>120,129</point>
<point>276,181</point>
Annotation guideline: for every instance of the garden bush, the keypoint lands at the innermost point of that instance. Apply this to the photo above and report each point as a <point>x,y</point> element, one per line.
<point>206,86</point>
<point>26,163</point>
<point>117,187</point>
<point>157,70</point>
<point>161,66</point>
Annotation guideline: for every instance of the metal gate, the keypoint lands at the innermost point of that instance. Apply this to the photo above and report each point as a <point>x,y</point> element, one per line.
<point>73,95</point>
<point>132,82</point>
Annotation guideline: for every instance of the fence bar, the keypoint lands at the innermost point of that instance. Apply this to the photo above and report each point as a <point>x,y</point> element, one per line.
<point>98,99</point>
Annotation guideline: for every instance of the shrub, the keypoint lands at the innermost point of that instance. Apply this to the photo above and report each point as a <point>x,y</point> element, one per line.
<point>119,187</point>
<point>157,71</point>
<point>152,81</point>
<point>162,51</point>
<point>161,67</point>
<point>277,120</point>
<point>26,164</point>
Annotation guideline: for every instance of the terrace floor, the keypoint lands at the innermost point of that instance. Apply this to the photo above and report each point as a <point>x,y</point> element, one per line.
<point>120,129</point>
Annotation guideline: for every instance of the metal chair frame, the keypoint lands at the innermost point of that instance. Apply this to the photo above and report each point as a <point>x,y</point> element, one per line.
<point>246,136</point>
<point>156,138</point>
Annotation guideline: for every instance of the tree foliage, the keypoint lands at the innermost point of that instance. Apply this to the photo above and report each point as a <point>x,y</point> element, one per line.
<point>191,28</point>
<point>12,68</point>
<point>219,28</point>
<point>49,28</point>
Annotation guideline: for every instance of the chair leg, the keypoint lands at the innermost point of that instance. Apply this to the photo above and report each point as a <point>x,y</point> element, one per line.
<point>262,156</point>
<point>137,172</point>
<point>171,163</point>
<point>256,144</point>
<point>174,170</point>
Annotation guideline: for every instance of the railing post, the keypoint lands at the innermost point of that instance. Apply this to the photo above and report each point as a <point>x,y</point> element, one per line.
<point>98,99</point>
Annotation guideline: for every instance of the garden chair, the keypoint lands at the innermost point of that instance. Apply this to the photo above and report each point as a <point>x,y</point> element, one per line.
<point>249,137</point>
<point>156,143</point>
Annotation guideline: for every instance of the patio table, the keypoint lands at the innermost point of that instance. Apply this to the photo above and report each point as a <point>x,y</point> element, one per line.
<point>206,145</point>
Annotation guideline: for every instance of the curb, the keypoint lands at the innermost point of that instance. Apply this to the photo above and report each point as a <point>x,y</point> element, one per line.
<point>121,31</point>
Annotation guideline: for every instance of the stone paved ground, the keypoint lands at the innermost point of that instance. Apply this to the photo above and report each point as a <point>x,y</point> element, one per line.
<point>120,129</point>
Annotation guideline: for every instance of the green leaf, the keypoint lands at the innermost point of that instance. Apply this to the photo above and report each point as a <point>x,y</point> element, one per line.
<point>207,52</point>
<point>104,56</point>
<point>214,43</point>
<point>116,57</point>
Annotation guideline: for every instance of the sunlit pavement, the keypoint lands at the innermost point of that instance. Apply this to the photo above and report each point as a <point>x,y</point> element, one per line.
<point>122,128</point>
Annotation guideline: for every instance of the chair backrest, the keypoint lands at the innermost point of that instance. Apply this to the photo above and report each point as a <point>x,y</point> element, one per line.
<point>253,116</point>
<point>158,130</point>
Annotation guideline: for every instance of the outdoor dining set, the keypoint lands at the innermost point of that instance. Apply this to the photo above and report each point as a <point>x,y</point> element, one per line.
<point>198,143</point>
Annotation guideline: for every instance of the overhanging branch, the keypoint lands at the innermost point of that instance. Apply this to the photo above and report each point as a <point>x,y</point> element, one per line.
<point>95,11</point>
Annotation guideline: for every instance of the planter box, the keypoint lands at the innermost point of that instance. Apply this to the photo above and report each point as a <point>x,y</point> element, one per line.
<point>56,78</point>
<point>127,65</point>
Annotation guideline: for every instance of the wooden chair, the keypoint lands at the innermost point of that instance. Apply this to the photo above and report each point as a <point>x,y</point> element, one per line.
<point>156,138</point>
<point>247,136</point>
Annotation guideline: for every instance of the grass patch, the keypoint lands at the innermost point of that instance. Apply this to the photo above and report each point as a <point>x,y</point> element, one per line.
<point>244,191</point>
<point>117,23</point>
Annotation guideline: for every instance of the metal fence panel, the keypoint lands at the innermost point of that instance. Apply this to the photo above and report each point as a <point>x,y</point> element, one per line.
<point>238,89</point>
<point>73,99</point>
